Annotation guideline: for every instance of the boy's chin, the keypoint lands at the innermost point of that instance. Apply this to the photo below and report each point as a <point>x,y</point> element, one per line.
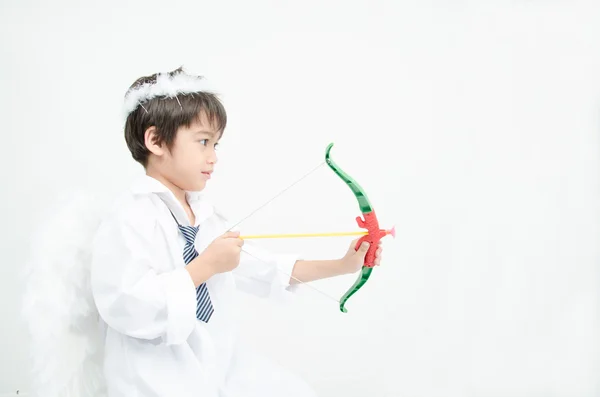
<point>197,186</point>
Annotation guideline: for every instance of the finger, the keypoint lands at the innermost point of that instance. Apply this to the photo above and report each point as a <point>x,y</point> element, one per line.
<point>231,235</point>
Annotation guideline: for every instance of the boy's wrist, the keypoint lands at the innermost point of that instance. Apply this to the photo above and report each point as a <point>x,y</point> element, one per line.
<point>341,267</point>
<point>200,270</point>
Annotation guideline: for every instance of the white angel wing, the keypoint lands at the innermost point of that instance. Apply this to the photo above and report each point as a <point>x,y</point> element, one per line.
<point>66,339</point>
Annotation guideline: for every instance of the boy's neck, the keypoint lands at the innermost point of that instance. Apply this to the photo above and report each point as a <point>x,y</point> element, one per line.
<point>179,193</point>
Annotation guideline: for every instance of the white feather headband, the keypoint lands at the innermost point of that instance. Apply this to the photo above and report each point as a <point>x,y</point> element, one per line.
<point>167,86</point>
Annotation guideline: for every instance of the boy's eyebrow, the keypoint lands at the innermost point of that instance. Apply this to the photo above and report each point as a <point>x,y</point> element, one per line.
<point>197,132</point>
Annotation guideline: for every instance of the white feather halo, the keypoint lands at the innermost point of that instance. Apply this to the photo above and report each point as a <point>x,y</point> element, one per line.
<point>165,86</point>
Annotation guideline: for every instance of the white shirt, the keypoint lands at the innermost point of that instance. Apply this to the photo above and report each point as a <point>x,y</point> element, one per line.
<point>154,344</point>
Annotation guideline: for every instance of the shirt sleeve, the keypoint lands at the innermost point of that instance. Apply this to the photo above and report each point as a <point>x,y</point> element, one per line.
<point>132,297</point>
<point>265,274</point>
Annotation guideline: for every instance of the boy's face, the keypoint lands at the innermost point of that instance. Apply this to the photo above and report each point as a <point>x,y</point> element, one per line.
<point>192,158</point>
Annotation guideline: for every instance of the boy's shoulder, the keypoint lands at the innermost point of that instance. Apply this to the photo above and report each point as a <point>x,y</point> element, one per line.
<point>133,210</point>
<point>134,205</point>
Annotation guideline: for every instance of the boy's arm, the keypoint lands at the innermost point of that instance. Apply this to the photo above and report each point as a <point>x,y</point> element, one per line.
<point>312,270</point>
<point>263,273</point>
<point>131,296</point>
<point>351,262</point>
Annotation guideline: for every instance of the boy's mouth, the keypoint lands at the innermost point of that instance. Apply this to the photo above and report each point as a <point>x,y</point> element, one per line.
<point>207,174</point>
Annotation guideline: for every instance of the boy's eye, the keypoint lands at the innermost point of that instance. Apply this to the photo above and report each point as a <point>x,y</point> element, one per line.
<point>205,142</point>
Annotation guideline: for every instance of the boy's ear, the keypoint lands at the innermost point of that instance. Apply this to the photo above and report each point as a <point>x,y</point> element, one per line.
<point>151,141</point>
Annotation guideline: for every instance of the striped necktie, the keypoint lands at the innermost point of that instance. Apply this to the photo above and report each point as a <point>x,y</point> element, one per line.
<point>204,308</point>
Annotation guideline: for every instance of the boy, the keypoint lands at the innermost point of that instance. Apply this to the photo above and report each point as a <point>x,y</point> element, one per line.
<point>163,275</point>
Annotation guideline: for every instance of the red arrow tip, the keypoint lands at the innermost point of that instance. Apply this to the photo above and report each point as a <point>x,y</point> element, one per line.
<point>392,231</point>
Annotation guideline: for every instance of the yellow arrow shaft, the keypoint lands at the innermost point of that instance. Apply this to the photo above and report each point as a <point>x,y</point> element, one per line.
<point>301,235</point>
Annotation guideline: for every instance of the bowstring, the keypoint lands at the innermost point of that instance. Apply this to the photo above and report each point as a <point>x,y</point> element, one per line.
<point>264,205</point>
<point>277,195</point>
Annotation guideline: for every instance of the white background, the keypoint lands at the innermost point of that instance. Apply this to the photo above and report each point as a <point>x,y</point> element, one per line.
<point>473,127</point>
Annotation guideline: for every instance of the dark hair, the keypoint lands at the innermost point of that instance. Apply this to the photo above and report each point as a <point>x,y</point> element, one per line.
<point>167,115</point>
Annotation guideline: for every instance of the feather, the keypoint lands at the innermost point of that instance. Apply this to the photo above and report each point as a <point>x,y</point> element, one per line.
<point>58,307</point>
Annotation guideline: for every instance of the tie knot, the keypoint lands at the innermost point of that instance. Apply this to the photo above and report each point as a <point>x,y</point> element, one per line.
<point>189,232</point>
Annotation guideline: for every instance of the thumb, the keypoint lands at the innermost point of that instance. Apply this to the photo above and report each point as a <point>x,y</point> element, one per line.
<point>364,247</point>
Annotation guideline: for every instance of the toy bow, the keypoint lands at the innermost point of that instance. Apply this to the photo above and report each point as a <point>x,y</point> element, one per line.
<point>368,221</point>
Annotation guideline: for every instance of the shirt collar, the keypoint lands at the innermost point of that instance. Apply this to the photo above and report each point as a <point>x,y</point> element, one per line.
<point>201,206</point>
